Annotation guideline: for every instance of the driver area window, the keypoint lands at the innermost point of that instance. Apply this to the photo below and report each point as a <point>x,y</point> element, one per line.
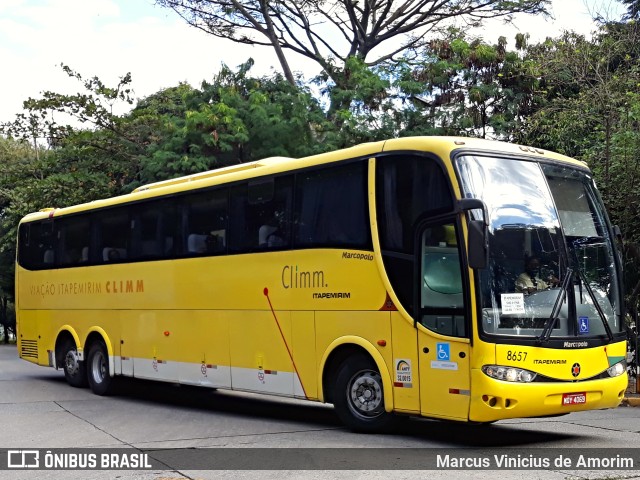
<point>442,292</point>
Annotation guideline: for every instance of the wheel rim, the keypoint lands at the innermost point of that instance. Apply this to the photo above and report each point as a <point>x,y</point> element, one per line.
<point>364,394</point>
<point>99,367</point>
<point>71,364</point>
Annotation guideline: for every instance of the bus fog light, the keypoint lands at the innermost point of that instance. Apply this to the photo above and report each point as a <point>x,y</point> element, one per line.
<point>509,374</point>
<point>617,369</point>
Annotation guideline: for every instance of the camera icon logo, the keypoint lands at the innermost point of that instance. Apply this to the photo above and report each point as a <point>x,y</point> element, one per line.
<point>23,459</point>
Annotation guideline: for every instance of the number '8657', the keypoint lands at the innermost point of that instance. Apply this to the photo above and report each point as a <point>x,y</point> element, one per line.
<point>514,356</point>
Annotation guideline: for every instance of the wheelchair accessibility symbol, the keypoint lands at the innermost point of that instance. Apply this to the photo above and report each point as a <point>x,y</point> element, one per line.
<point>443,352</point>
<point>583,325</point>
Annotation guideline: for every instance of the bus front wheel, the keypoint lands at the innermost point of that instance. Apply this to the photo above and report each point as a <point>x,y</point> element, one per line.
<point>98,369</point>
<point>358,396</point>
<point>74,370</point>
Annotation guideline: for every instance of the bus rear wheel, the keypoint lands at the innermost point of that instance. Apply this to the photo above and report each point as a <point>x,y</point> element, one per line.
<point>359,397</point>
<point>98,375</point>
<point>74,370</point>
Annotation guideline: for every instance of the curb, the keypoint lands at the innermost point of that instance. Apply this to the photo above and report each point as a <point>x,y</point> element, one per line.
<point>631,401</point>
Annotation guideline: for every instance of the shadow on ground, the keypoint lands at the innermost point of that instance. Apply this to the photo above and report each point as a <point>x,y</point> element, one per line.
<point>442,433</point>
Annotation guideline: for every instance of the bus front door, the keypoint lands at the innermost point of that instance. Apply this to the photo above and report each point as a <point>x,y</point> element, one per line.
<point>444,376</point>
<point>442,327</point>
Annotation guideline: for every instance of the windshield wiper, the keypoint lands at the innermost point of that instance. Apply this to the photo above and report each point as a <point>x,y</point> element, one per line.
<point>596,304</point>
<point>588,241</point>
<point>553,318</point>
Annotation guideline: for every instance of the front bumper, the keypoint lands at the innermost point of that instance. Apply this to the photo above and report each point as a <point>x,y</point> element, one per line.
<point>497,400</point>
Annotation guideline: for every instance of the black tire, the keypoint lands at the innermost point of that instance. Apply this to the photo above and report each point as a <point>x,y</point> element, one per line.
<point>358,396</point>
<point>75,371</point>
<point>100,381</point>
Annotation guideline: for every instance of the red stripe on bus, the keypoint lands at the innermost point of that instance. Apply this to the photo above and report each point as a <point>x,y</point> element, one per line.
<point>266,294</point>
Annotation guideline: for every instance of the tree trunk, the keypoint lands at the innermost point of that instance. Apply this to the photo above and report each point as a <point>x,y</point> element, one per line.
<point>273,38</point>
<point>4,318</point>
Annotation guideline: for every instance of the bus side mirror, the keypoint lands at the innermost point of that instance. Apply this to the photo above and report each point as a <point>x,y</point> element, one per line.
<point>478,244</point>
<point>478,233</point>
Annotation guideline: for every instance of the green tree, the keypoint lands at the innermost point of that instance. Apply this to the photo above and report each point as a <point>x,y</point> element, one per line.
<point>15,157</point>
<point>233,119</point>
<point>92,144</point>
<point>331,34</point>
<point>469,87</point>
<point>633,9</point>
<point>588,107</point>
<point>50,164</point>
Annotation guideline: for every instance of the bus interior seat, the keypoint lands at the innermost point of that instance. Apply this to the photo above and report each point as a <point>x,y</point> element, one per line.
<point>49,256</point>
<point>267,236</point>
<point>196,243</point>
<point>110,254</point>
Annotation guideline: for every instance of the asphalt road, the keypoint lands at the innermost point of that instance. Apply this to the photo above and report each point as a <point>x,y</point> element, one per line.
<point>38,410</point>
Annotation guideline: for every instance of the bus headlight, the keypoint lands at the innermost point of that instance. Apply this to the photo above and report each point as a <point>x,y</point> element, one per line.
<point>509,374</point>
<point>617,369</point>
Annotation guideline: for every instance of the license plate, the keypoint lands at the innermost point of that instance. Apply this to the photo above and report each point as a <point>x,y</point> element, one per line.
<point>574,398</point>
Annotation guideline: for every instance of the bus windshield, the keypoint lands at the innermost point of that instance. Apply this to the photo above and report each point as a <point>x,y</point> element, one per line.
<point>551,270</point>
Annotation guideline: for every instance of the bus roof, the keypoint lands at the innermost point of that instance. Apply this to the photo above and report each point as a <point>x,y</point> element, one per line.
<point>442,146</point>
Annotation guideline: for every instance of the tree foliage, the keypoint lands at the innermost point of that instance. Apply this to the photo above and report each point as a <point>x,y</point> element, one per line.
<point>17,158</point>
<point>332,33</point>
<point>468,87</point>
<point>235,118</point>
<point>633,9</point>
<point>588,107</point>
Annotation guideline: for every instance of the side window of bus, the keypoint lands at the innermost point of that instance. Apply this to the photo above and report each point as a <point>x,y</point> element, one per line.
<point>37,247</point>
<point>74,238</point>
<point>332,208</point>
<point>206,222</point>
<point>154,230</point>
<point>113,229</point>
<point>409,188</point>
<point>260,214</point>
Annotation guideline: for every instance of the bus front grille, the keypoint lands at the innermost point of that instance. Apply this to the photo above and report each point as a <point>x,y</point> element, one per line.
<point>29,348</point>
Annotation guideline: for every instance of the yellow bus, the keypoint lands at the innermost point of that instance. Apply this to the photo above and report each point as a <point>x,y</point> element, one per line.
<point>450,278</point>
